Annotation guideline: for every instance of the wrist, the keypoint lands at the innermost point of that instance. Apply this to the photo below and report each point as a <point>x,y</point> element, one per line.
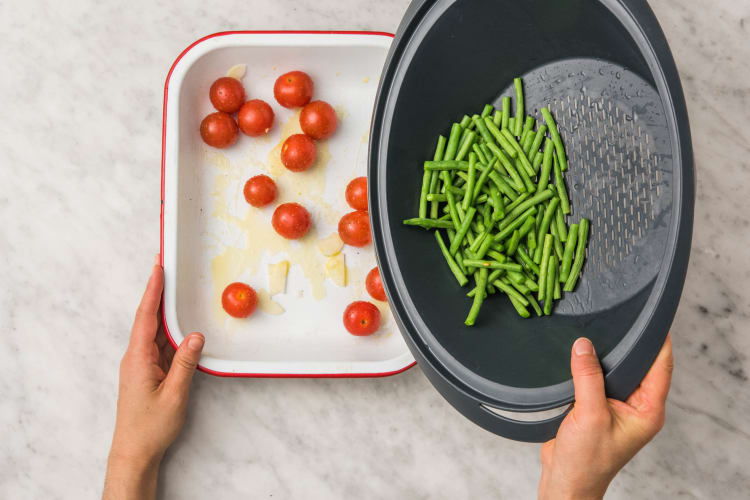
<point>555,490</point>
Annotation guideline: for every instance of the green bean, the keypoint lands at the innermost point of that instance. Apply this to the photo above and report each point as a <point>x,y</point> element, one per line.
<point>546,165</point>
<point>462,230</point>
<point>562,193</point>
<point>501,139</point>
<point>534,304</point>
<point>514,225</point>
<point>497,203</point>
<point>452,148</point>
<point>530,186</point>
<point>510,291</point>
<point>517,181</point>
<point>423,193</point>
<point>482,129</point>
<point>570,245</point>
<point>522,207</point>
<point>489,264</point>
<point>481,181</point>
<point>528,126</point>
<point>515,277</point>
<point>497,118</point>
<point>520,309</point>
<point>539,217</point>
<point>490,289</point>
<point>455,269</point>
<point>437,198</point>
<point>463,150</point>
<point>506,112</point>
<point>519,106</point>
<point>486,151</point>
<point>531,239</point>
<point>531,285</point>
<point>429,223</point>
<point>521,198</point>
<point>463,177</point>
<point>486,215</point>
<point>511,125</point>
<point>439,151</point>
<point>469,193</point>
<point>526,141</point>
<point>487,110</point>
<point>557,294</point>
<point>559,148</point>
<point>544,228</point>
<point>484,247</point>
<point>556,241</point>
<point>544,262</point>
<point>503,185</point>
<point>451,200</point>
<point>521,155</point>
<point>478,298</point>
<point>527,262</point>
<point>575,270</point>
<point>446,165</point>
<point>518,286</point>
<point>514,240</point>
<point>537,162</point>
<point>549,287</point>
<point>537,143</point>
<point>465,121</point>
<point>480,155</point>
<point>562,227</point>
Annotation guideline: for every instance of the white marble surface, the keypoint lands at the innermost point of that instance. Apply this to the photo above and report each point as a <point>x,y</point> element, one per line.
<point>79,182</point>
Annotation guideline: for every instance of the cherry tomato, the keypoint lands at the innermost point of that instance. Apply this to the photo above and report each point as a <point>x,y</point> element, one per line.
<point>227,94</point>
<point>361,318</point>
<point>239,300</point>
<point>298,152</point>
<point>260,190</point>
<point>318,120</point>
<point>293,89</point>
<point>374,285</point>
<point>219,130</point>
<point>354,228</point>
<point>356,193</point>
<point>291,220</point>
<point>255,118</point>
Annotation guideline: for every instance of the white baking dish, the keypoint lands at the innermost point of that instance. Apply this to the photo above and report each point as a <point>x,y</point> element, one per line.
<point>210,236</point>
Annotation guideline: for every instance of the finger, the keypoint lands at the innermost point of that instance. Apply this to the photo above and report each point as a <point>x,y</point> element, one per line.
<point>588,379</point>
<point>655,385</point>
<point>184,363</point>
<point>146,320</point>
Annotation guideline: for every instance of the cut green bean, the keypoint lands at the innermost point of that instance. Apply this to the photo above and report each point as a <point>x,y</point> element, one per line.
<point>562,193</point>
<point>463,150</point>
<point>544,262</point>
<point>446,165</point>
<point>537,162</point>
<point>537,143</point>
<point>455,269</point>
<point>465,121</point>
<point>531,239</point>
<point>520,309</point>
<point>562,227</point>
<point>559,148</point>
<point>479,184</point>
<point>497,204</point>
<point>527,141</point>
<point>534,304</point>
<point>511,124</point>
<point>469,193</point>
<point>487,110</point>
<point>484,247</point>
<point>514,240</point>
<point>521,155</point>
<point>506,112</point>
<point>451,200</point>
<point>497,118</point>
<point>501,139</point>
<point>517,181</point>
<point>528,126</point>
<point>490,264</point>
<point>575,270</point>
<point>522,207</point>
<point>478,298</point>
<point>480,155</point>
<point>567,260</point>
<point>504,185</point>
<point>544,228</point>
<point>549,152</point>
<point>423,194</point>
<point>514,225</point>
<point>462,230</point>
<point>510,291</point>
<point>557,294</point>
<point>453,138</point>
<point>556,241</point>
<point>522,289</point>
<point>482,129</point>
<point>527,262</point>
<point>429,223</point>
<point>519,107</point>
<point>549,287</point>
<point>527,227</point>
<point>439,152</point>
<point>439,198</point>
<point>530,186</point>
<point>521,198</point>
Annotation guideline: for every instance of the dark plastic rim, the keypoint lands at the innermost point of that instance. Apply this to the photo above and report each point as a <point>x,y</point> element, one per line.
<point>626,365</point>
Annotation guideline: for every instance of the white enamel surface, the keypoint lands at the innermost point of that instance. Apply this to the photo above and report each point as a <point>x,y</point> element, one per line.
<point>206,228</point>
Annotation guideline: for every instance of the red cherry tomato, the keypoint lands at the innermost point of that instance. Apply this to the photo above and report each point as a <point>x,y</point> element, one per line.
<point>298,152</point>
<point>293,89</point>
<point>318,120</point>
<point>239,300</point>
<point>255,118</point>
<point>291,220</point>
<point>227,94</point>
<point>361,318</point>
<point>356,193</point>
<point>374,285</point>
<point>219,130</point>
<point>354,228</point>
<point>260,190</point>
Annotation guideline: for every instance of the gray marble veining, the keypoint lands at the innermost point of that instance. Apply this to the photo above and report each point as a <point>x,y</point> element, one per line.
<point>79,183</point>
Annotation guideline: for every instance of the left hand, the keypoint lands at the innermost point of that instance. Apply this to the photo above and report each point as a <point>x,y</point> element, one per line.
<point>153,395</point>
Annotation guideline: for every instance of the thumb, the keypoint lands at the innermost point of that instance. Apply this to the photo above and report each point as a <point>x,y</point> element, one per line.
<point>184,363</point>
<point>588,379</point>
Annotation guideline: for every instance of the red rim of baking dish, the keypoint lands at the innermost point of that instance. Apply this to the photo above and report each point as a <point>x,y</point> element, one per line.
<point>161,211</point>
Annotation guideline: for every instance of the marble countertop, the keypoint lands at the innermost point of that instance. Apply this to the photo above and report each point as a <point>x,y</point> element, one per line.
<point>79,179</point>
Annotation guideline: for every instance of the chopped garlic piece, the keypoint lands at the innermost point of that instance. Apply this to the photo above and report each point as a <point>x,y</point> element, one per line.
<point>268,305</point>
<point>336,269</point>
<point>330,245</point>
<point>277,277</point>
<point>237,71</point>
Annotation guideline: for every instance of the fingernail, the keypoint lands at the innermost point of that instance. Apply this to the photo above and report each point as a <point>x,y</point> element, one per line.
<point>195,342</point>
<point>156,259</point>
<point>583,347</point>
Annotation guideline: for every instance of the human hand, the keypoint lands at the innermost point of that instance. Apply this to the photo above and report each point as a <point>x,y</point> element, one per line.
<point>153,395</point>
<point>600,435</point>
